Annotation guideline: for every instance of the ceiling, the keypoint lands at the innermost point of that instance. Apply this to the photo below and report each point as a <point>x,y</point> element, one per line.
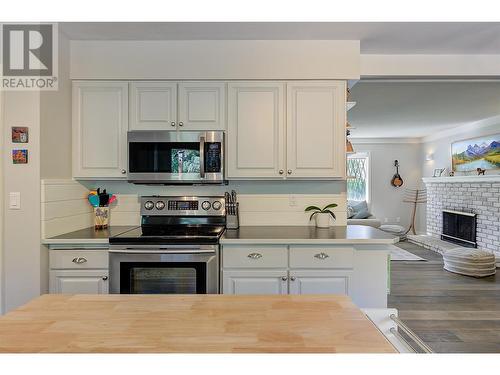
<point>417,109</point>
<point>375,37</point>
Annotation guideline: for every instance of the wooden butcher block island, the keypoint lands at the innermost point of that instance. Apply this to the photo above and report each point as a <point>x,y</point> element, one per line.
<point>190,324</point>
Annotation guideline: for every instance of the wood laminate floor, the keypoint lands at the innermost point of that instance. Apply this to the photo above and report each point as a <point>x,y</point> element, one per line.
<point>451,313</point>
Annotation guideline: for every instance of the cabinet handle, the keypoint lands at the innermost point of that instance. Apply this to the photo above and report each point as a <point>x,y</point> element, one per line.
<point>281,171</point>
<point>292,278</point>
<point>79,260</point>
<point>284,278</point>
<point>254,256</point>
<point>104,278</point>
<point>172,124</point>
<point>321,256</point>
<point>289,171</point>
<point>124,171</point>
<point>181,123</point>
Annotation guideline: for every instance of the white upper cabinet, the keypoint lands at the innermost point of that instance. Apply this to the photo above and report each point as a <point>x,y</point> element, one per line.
<point>256,130</point>
<point>153,106</point>
<point>202,106</point>
<point>100,123</point>
<point>315,127</point>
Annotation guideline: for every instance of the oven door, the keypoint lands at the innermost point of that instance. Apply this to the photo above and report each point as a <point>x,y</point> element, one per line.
<point>175,157</point>
<point>169,270</point>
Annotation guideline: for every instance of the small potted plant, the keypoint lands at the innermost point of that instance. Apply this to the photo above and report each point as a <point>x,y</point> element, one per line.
<point>322,216</point>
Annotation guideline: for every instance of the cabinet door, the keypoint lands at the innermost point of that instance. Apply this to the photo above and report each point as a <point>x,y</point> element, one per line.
<point>256,133</point>
<point>319,282</point>
<point>254,282</point>
<point>316,120</point>
<point>100,123</point>
<point>202,106</point>
<point>153,106</point>
<point>79,282</point>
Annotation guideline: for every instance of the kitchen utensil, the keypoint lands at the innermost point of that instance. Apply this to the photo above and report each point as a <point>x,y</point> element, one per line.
<point>112,198</point>
<point>94,200</point>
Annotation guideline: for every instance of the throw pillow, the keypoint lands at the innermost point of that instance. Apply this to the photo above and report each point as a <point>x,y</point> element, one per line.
<point>350,212</point>
<point>361,206</point>
<point>363,214</point>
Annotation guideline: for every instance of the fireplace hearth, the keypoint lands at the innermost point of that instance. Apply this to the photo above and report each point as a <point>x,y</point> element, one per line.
<point>459,227</point>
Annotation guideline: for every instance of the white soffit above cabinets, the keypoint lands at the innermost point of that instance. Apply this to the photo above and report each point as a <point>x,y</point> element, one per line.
<point>215,59</point>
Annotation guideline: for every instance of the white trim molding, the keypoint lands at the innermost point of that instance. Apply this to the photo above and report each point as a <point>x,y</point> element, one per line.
<point>355,140</point>
<point>387,66</point>
<point>461,179</point>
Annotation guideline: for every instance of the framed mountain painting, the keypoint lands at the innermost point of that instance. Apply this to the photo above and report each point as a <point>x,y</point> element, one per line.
<point>470,154</point>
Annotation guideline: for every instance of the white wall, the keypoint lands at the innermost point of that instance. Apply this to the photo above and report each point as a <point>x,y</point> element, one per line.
<point>386,200</point>
<point>55,121</point>
<point>439,145</point>
<point>215,59</point>
<point>22,227</point>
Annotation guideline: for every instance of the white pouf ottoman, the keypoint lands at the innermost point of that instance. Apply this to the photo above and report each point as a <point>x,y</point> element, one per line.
<point>470,262</point>
<point>396,230</point>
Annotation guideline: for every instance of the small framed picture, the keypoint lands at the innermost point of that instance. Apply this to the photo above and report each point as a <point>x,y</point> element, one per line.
<point>438,172</point>
<point>19,134</point>
<point>20,156</point>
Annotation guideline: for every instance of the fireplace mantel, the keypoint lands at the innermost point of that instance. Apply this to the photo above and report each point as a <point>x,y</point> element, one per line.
<point>461,179</point>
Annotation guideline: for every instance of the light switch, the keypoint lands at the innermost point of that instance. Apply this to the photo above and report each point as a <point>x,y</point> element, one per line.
<point>15,200</point>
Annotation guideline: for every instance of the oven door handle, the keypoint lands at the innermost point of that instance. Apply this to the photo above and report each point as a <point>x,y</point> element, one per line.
<point>202,157</point>
<point>160,251</point>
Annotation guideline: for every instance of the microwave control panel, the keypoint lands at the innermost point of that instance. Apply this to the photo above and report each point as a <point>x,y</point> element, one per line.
<point>213,157</point>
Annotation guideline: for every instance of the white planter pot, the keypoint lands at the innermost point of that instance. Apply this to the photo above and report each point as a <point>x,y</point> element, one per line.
<point>322,220</point>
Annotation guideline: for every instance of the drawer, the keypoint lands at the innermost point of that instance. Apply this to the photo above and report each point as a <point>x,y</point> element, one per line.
<point>255,257</point>
<point>321,257</point>
<point>78,259</point>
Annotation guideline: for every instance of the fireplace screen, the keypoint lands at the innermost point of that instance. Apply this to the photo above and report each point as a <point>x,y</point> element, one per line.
<point>459,227</point>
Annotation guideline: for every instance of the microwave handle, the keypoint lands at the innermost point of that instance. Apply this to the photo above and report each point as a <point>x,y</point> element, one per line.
<point>202,157</point>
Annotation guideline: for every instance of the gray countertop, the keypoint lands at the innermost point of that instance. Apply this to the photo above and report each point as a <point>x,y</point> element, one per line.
<point>89,235</point>
<point>352,234</point>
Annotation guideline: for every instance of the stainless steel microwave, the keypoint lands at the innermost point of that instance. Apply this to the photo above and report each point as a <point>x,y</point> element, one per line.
<point>171,157</point>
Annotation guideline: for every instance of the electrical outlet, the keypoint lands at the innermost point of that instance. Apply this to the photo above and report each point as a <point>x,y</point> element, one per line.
<point>292,201</point>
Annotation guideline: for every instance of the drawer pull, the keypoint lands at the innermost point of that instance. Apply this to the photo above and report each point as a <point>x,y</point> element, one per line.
<point>79,260</point>
<point>321,256</point>
<point>254,256</point>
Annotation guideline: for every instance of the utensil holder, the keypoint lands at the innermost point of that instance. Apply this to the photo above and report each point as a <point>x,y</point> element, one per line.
<point>101,217</point>
<point>233,217</point>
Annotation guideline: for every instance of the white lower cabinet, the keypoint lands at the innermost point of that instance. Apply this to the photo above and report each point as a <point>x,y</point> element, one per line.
<point>78,271</point>
<point>255,282</point>
<point>282,269</point>
<point>78,282</point>
<point>319,282</point>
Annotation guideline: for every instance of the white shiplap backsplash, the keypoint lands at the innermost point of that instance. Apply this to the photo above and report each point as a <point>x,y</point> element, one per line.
<point>65,208</point>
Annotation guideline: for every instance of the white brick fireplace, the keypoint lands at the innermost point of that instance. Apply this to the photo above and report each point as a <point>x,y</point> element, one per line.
<point>477,194</point>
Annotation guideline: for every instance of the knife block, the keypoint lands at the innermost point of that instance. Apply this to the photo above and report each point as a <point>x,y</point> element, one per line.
<point>101,217</point>
<point>233,220</point>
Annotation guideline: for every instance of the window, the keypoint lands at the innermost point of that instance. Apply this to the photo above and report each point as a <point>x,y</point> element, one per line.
<point>357,177</point>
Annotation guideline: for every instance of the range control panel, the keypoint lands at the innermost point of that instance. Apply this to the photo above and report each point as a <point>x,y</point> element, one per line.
<point>182,206</point>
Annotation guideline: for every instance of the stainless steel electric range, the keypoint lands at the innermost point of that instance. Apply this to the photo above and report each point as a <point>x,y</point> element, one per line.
<point>174,251</point>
